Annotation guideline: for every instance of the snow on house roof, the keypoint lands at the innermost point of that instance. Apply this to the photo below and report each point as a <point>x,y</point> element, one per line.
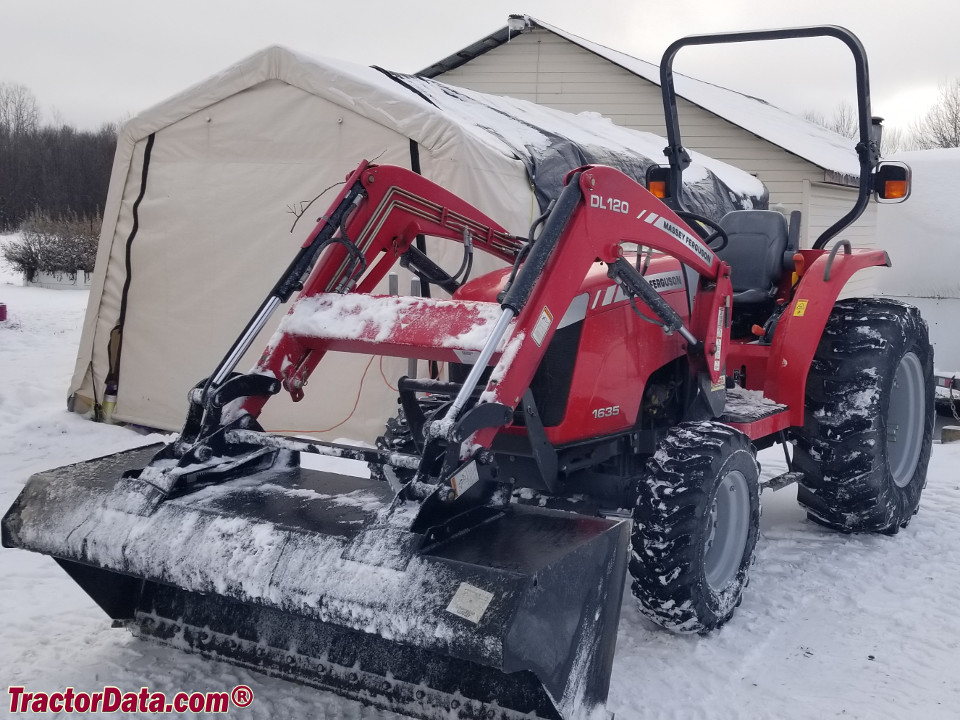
<point>813,143</point>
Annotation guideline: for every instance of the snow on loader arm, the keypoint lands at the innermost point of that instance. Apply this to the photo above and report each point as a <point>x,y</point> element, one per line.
<point>436,595</point>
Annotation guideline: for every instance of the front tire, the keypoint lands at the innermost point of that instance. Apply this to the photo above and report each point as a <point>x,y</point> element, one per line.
<point>696,523</point>
<point>867,435</point>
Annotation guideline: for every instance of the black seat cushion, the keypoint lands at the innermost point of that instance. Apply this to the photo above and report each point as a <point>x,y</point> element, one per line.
<point>755,253</point>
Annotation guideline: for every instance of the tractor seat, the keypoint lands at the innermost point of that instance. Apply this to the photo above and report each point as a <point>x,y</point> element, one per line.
<point>759,250</point>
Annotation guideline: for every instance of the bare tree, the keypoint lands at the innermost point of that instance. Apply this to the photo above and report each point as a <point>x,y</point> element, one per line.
<point>59,119</point>
<point>19,111</point>
<point>51,169</point>
<point>940,127</point>
<point>895,140</point>
<point>843,122</point>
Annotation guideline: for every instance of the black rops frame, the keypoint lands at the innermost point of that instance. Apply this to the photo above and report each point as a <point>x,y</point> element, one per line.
<point>867,148</point>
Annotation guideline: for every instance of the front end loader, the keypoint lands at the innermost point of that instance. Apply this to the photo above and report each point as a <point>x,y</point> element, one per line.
<point>606,394</point>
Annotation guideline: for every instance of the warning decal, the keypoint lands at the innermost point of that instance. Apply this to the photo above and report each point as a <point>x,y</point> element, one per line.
<point>465,479</point>
<point>470,602</point>
<point>542,327</point>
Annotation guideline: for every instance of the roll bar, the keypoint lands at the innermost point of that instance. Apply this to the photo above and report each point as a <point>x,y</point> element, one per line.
<point>867,148</point>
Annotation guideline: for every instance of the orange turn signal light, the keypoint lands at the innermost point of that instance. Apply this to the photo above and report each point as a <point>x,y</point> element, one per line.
<point>891,181</point>
<point>895,189</point>
<point>657,188</point>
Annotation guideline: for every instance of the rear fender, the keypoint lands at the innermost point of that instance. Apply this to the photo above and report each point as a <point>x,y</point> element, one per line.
<point>802,324</point>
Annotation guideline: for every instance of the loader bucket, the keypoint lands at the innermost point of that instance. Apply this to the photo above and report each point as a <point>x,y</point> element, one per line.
<point>292,572</point>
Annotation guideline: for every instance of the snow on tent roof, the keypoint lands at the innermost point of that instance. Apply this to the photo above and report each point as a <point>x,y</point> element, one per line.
<point>551,143</point>
<point>805,139</point>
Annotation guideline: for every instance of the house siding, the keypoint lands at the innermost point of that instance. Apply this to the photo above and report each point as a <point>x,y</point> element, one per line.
<point>828,203</point>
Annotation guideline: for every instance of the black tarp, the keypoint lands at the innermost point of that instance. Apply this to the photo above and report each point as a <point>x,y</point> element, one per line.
<point>553,144</point>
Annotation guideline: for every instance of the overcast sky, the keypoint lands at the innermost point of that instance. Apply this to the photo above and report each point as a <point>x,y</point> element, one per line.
<point>95,61</point>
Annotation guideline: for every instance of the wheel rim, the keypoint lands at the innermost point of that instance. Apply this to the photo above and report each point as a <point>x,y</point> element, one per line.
<point>905,420</point>
<point>729,525</point>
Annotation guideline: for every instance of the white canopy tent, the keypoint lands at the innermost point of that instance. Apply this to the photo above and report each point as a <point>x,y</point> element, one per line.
<point>197,225</point>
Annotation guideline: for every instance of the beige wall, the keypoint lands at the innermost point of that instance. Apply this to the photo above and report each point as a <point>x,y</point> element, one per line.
<point>825,204</point>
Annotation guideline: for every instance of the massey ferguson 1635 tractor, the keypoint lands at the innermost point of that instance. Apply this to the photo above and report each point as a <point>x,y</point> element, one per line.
<point>624,369</point>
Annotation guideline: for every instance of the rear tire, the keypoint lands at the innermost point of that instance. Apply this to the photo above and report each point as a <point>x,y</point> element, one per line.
<point>695,527</point>
<point>866,441</point>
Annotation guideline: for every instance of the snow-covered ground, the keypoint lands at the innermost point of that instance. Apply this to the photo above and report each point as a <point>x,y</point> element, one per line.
<point>831,625</point>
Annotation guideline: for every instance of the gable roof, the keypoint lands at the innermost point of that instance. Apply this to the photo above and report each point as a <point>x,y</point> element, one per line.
<point>807,140</point>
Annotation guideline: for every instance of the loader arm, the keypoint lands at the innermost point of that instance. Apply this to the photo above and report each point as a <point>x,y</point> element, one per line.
<point>397,205</point>
<point>369,227</point>
<point>598,211</point>
<point>611,210</point>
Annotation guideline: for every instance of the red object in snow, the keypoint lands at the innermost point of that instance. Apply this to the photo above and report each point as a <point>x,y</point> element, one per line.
<point>3,312</point>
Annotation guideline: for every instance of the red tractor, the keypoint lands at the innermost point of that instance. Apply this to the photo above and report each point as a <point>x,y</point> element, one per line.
<point>627,365</point>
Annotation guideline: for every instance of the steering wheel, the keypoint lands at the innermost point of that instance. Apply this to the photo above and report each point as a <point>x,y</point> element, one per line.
<point>698,221</point>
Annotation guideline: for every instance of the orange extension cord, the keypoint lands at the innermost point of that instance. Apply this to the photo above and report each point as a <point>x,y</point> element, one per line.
<point>356,401</point>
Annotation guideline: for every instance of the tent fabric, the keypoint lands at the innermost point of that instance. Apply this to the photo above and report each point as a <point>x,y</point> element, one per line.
<point>232,159</point>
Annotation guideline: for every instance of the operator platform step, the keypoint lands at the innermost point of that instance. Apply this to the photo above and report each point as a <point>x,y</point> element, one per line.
<point>745,406</point>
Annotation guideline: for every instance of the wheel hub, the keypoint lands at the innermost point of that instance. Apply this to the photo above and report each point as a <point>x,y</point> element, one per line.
<point>905,420</point>
<point>728,525</point>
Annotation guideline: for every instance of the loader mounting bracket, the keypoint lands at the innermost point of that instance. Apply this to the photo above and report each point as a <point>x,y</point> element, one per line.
<point>481,416</point>
<point>205,414</point>
<point>179,469</point>
<point>544,454</point>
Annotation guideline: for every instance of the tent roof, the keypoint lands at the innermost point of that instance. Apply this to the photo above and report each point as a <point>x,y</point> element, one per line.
<point>426,110</point>
<point>813,143</point>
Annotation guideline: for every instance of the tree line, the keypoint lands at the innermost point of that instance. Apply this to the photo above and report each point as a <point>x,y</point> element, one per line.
<point>49,170</point>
